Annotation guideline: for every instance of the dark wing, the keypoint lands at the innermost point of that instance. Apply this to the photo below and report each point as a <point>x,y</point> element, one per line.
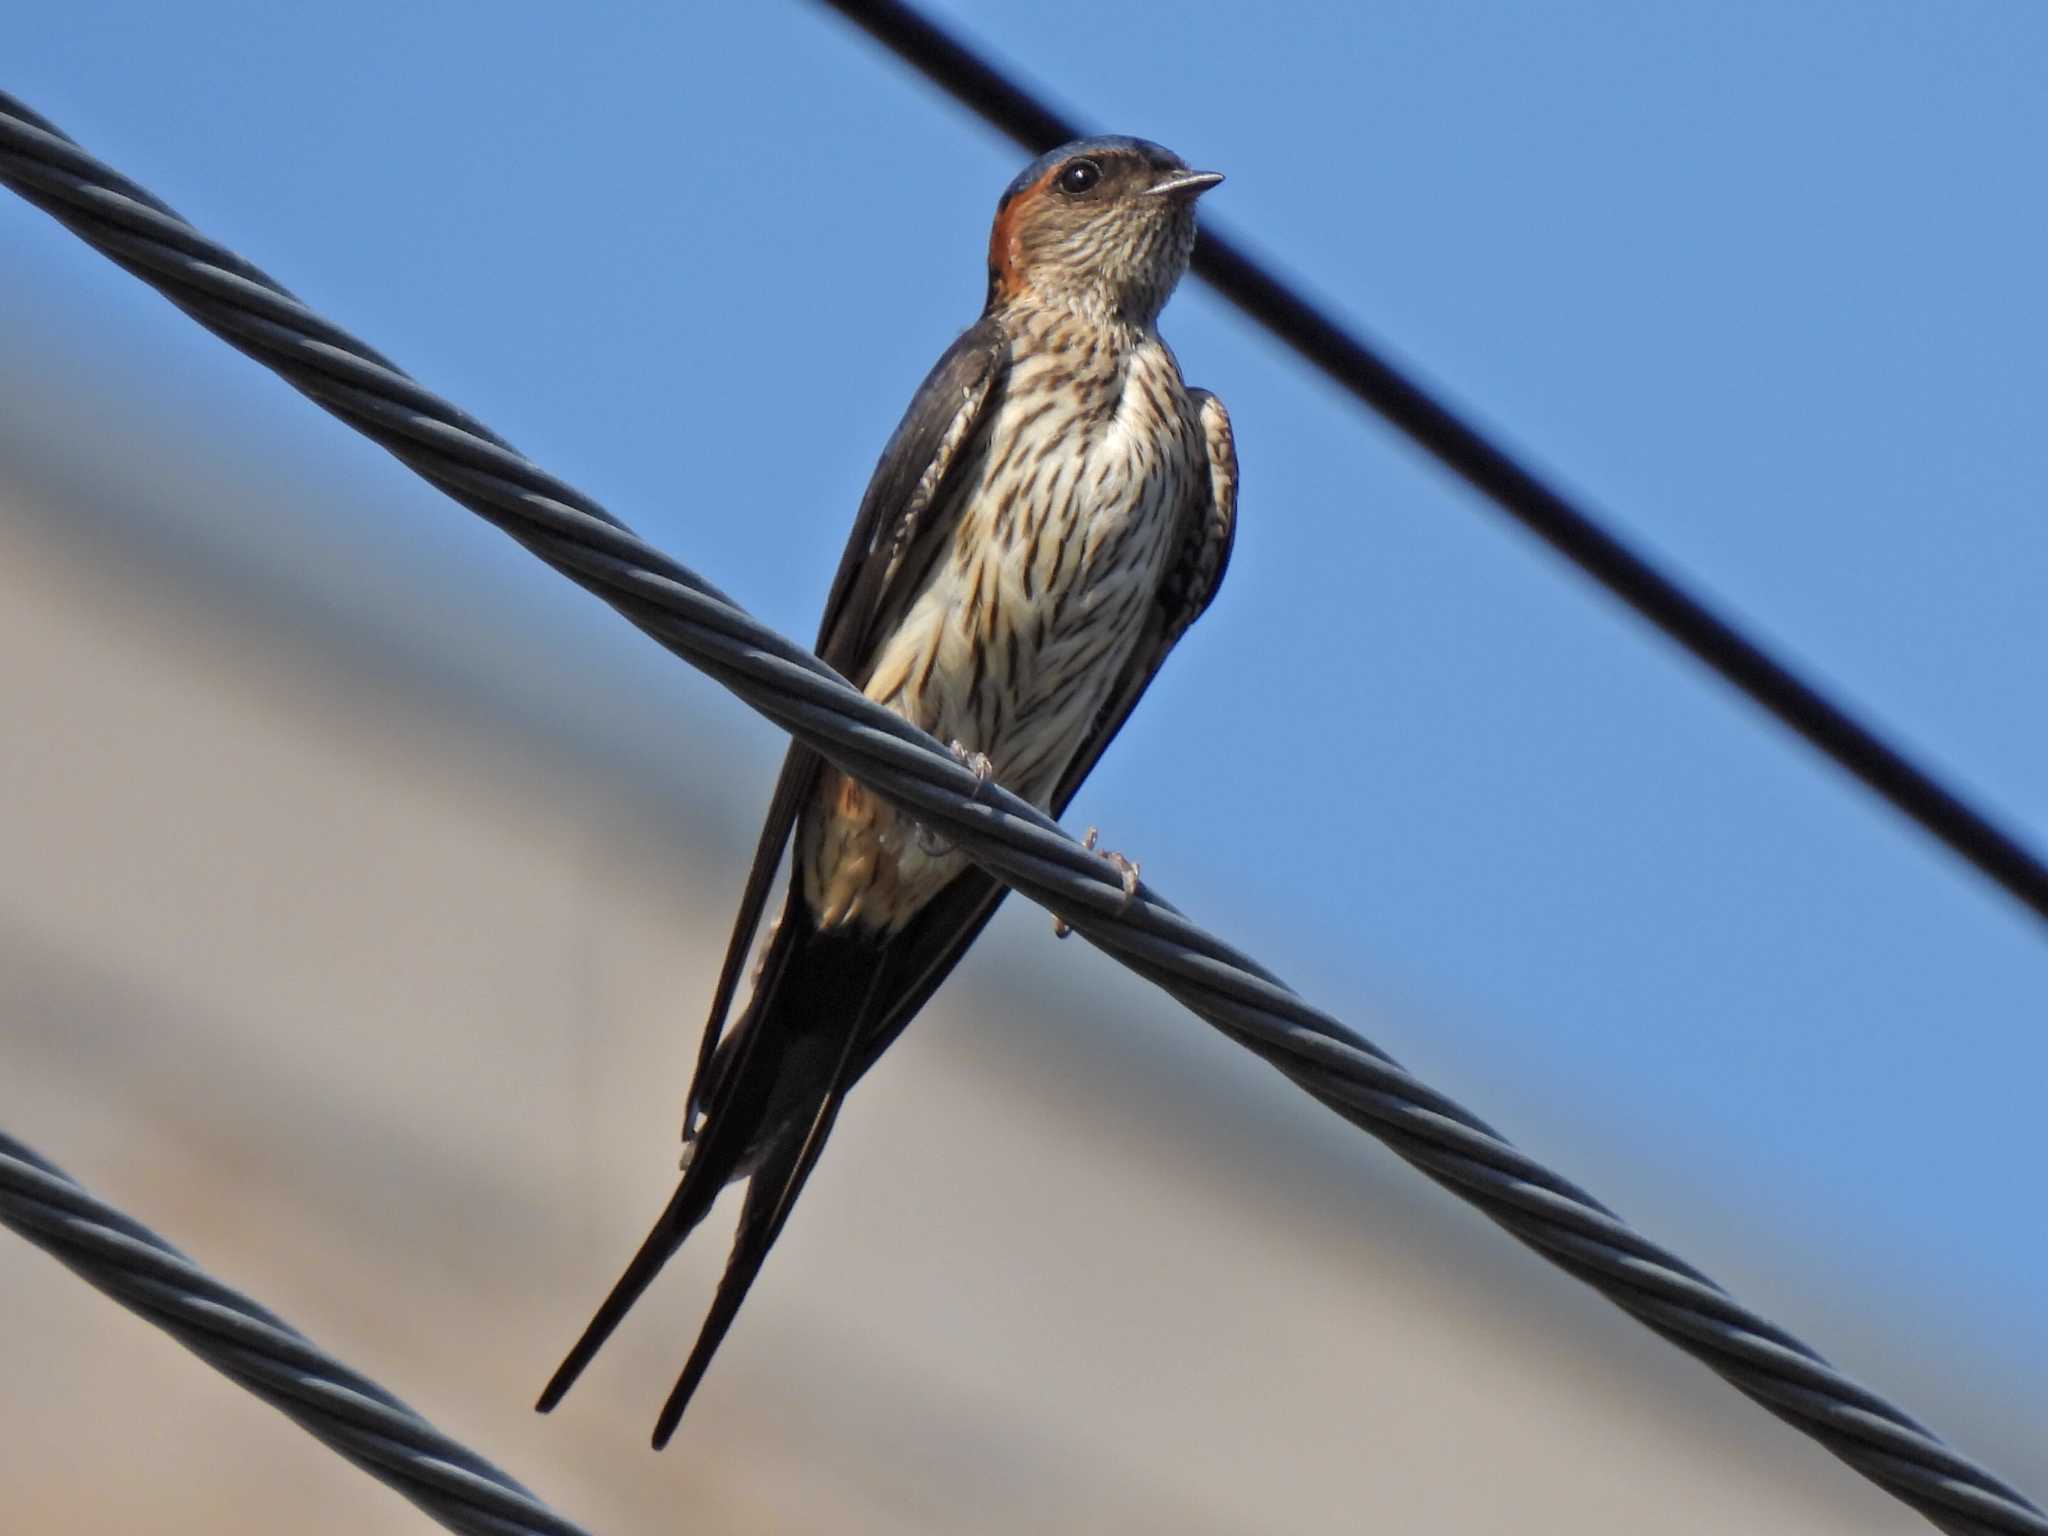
<point>908,513</point>
<point>932,944</point>
<point>904,518</point>
<point>773,1063</point>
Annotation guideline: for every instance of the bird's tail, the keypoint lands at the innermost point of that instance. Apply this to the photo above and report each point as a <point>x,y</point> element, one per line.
<point>686,1207</point>
<point>768,1107</point>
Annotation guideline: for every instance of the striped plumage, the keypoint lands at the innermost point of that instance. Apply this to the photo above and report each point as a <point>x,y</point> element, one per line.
<point>1070,506</point>
<point>1054,510</point>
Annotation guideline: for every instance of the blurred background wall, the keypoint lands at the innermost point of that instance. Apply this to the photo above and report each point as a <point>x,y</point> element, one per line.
<point>374,987</point>
<point>361,888</point>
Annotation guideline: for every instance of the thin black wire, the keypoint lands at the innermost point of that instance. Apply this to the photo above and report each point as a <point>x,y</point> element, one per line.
<point>257,1349</point>
<point>1366,373</point>
<point>1012,840</point>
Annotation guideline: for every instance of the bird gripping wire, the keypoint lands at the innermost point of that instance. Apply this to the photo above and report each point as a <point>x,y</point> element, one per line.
<point>1008,837</point>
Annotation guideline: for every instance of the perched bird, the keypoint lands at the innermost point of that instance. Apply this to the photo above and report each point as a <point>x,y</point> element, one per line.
<point>1053,512</point>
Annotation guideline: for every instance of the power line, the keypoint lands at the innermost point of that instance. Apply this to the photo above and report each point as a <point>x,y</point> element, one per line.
<point>1365,372</point>
<point>1011,839</point>
<point>255,1348</point>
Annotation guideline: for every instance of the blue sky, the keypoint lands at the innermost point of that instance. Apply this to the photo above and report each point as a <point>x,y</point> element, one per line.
<point>1760,281</point>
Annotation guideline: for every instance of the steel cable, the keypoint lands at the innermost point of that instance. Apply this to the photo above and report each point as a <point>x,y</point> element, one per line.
<point>1015,842</point>
<point>258,1350</point>
<point>1366,373</point>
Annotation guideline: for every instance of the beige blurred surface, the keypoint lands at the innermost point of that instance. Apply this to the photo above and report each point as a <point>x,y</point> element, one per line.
<point>382,1012</point>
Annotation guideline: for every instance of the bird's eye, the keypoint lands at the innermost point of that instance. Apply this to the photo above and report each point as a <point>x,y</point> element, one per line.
<point>1079,177</point>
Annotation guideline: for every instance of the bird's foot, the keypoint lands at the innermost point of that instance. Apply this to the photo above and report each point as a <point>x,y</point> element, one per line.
<point>930,840</point>
<point>1127,873</point>
<point>976,763</point>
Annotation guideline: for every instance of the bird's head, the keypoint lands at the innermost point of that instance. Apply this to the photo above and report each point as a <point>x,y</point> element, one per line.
<point>1104,226</point>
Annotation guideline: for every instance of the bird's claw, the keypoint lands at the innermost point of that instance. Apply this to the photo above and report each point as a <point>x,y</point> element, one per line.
<point>932,842</point>
<point>1127,873</point>
<point>976,763</point>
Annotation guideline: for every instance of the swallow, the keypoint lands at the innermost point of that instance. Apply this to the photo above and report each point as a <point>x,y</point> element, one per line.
<point>1053,512</point>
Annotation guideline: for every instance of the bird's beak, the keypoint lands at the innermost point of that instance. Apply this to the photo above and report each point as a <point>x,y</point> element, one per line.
<point>1186,187</point>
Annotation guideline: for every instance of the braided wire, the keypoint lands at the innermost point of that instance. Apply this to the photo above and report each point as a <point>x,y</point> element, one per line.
<point>1012,840</point>
<point>1366,373</point>
<point>257,1349</point>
